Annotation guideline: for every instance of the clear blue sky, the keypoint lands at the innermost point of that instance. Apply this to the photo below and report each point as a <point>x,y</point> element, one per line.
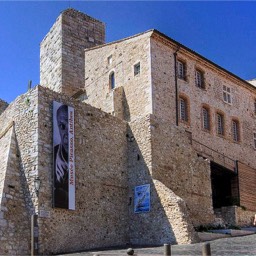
<point>224,32</point>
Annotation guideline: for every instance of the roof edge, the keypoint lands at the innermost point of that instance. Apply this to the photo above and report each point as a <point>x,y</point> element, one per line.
<point>119,41</point>
<point>204,58</point>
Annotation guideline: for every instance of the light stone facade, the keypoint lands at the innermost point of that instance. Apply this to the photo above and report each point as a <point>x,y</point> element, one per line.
<point>62,50</point>
<point>156,92</point>
<point>136,89</point>
<point>125,136</point>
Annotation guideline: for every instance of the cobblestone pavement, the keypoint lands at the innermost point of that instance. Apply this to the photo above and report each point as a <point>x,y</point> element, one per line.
<point>243,245</point>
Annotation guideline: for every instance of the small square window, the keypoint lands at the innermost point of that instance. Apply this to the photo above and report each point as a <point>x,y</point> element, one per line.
<point>110,59</point>
<point>137,69</point>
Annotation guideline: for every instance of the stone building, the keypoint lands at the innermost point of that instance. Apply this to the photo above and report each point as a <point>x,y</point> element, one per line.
<point>149,113</point>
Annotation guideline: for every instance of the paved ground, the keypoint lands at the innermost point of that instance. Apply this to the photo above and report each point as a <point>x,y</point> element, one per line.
<point>243,245</point>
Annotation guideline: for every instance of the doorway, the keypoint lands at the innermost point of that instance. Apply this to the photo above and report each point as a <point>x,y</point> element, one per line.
<point>225,191</point>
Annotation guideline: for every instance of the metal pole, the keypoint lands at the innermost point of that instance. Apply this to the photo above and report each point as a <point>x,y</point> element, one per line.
<point>176,88</point>
<point>206,249</point>
<point>167,250</point>
<point>34,235</point>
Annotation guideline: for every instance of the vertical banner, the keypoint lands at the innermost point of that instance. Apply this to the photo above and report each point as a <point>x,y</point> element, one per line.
<point>63,156</point>
<point>142,198</point>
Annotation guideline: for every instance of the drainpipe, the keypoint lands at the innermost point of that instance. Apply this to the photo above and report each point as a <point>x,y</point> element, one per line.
<point>176,87</point>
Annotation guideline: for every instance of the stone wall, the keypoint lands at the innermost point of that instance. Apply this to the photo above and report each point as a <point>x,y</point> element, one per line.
<point>104,188</point>
<point>62,50</point>
<point>101,214</point>
<point>235,215</point>
<point>19,167</point>
<point>177,166</point>
<point>242,107</point>
<point>120,57</point>
<point>163,77</point>
<point>244,217</point>
<point>14,217</point>
<point>168,220</point>
<point>51,58</point>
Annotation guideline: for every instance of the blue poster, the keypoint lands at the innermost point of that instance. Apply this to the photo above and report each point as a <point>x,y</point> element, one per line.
<point>142,198</point>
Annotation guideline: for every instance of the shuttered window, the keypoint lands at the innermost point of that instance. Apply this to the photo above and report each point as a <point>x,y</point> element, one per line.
<point>206,118</point>
<point>220,124</point>
<point>181,70</point>
<point>235,130</point>
<point>199,79</point>
<point>183,109</point>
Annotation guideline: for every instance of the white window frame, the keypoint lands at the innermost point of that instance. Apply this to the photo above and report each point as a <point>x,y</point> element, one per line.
<point>227,95</point>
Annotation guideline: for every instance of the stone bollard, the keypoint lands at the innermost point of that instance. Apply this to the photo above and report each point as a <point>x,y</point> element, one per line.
<point>130,251</point>
<point>206,249</point>
<point>167,250</point>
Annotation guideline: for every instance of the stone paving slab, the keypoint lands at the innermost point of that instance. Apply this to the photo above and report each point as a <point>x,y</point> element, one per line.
<point>244,245</point>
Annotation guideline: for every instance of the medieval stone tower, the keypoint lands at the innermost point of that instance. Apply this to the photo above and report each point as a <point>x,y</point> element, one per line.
<point>141,178</point>
<point>62,50</point>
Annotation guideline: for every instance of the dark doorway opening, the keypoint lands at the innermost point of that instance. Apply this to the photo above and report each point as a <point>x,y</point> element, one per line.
<point>225,191</point>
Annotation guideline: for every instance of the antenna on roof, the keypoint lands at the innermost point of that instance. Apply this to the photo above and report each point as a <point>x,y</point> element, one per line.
<point>29,85</point>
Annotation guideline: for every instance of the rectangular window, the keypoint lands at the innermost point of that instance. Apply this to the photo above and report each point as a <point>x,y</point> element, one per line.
<point>255,107</point>
<point>254,139</point>
<point>183,110</point>
<point>227,94</point>
<point>181,71</point>
<point>110,59</point>
<point>199,79</point>
<point>137,69</point>
<point>220,124</point>
<point>206,119</point>
<point>235,130</point>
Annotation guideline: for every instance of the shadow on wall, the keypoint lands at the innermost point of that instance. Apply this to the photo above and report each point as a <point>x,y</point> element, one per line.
<point>15,237</point>
<point>168,220</point>
<point>177,166</point>
<point>121,107</point>
<point>127,115</point>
